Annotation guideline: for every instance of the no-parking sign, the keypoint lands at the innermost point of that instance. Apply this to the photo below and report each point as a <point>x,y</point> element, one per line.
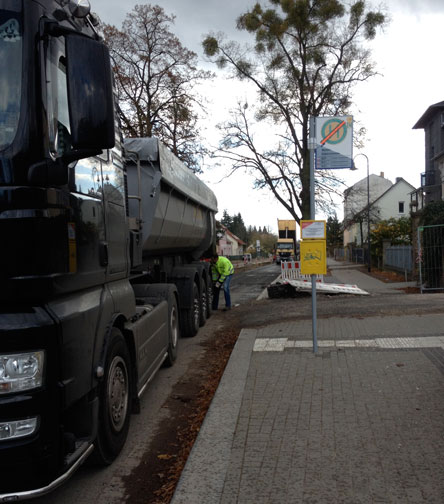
<point>334,142</point>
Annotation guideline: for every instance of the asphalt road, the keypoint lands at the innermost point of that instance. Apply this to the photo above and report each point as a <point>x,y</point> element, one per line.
<point>250,284</point>
<point>106,485</point>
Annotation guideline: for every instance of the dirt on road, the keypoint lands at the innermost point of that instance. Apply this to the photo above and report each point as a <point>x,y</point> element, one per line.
<point>155,479</point>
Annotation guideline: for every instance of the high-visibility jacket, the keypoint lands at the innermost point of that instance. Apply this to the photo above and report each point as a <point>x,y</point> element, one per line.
<point>221,269</point>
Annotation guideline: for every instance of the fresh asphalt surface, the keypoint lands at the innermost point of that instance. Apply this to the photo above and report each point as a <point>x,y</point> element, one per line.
<point>244,285</point>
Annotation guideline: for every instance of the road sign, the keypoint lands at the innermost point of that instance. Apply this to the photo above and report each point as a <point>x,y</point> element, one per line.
<point>334,142</point>
<point>313,229</point>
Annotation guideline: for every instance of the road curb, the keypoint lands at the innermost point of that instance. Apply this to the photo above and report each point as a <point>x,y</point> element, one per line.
<point>203,477</point>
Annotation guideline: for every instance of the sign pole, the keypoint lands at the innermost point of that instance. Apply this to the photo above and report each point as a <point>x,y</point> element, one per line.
<point>334,151</point>
<point>312,147</point>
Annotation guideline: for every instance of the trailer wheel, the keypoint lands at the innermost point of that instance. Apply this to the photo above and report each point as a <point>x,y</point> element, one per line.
<point>191,316</point>
<point>173,329</point>
<point>203,302</point>
<point>114,396</point>
<point>209,299</point>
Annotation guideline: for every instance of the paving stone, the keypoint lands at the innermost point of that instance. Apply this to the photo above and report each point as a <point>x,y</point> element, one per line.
<point>363,423</point>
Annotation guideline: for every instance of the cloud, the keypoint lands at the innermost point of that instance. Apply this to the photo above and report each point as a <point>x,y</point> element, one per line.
<point>418,6</point>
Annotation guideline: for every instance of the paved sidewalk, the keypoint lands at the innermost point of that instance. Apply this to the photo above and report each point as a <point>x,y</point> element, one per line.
<point>345,272</point>
<point>361,421</point>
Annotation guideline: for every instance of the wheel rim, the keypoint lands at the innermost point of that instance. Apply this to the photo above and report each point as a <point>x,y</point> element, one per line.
<point>174,321</point>
<point>118,393</point>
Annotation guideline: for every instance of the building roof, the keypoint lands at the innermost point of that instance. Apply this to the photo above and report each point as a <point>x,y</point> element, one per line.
<point>424,120</point>
<point>229,233</point>
<point>363,181</point>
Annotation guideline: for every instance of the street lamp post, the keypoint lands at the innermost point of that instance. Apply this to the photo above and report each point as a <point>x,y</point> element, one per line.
<point>368,210</point>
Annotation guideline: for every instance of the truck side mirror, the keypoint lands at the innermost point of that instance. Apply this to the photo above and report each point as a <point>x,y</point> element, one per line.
<point>90,93</point>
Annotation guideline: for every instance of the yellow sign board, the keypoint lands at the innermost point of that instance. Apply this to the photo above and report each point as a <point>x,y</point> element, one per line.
<point>313,257</point>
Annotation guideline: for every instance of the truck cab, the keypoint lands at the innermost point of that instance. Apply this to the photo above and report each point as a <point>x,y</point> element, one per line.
<point>286,246</point>
<point>285,250</point>
<point>63,256</point>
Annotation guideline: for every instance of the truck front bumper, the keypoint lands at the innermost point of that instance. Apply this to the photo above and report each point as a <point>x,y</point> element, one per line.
<point>38,492</point>
<point>34,460</point>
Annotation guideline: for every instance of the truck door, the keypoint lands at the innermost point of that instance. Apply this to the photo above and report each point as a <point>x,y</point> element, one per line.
<point>86,221</point>
<point>87,203</point>
<point>117,236</point>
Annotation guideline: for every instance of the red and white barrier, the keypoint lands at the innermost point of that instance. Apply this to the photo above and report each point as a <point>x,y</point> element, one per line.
<point>291,270</point>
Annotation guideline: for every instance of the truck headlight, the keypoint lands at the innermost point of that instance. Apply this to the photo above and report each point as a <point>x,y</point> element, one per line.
<point>21,371</point>
<point>17,428</point>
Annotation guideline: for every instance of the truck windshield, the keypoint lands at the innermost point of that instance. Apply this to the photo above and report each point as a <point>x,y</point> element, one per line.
<point>11,71</point>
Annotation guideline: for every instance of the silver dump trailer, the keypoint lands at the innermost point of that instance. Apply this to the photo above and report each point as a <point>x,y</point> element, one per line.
<point>172,228</point>
<point>170,206</point>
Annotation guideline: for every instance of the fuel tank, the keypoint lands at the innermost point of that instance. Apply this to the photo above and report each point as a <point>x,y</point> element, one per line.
<point>170,206</point>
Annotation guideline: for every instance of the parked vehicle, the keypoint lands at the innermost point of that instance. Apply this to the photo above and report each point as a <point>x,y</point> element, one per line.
<point>100,256</point>
<point>286,246</point>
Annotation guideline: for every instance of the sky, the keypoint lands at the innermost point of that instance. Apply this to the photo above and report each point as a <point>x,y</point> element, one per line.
<point>412,75</point>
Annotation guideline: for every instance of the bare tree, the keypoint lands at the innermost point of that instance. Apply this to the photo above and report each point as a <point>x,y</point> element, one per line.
<point>309,54</point>
<point>156,79</point>
<point>357,210</point>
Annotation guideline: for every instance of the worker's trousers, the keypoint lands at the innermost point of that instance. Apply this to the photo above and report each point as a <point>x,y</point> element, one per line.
<point>226,287</point>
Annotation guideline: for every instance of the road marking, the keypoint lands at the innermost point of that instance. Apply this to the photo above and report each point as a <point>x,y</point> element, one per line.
<point>280,344</point>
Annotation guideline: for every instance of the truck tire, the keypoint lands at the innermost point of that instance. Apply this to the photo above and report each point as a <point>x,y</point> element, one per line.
<point>203,302</point>
<point>191,316</point>
<point>209,299</point>
<point>114,397</point>
<point>173,329</point>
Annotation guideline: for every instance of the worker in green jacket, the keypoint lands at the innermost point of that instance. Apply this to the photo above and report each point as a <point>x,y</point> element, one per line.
<point>221,270</point>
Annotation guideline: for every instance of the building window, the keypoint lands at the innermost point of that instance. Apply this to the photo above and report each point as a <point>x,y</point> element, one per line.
<point>401,207</point>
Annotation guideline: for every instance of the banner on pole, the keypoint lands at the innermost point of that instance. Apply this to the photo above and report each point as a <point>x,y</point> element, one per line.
<point>334,143</point>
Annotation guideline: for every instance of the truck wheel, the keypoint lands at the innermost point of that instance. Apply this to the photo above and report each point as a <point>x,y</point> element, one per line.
<point>114,396</point>
<point>203,302</point>
<point>191,316</point>
<point>173,329</point>
<point>209,299</point>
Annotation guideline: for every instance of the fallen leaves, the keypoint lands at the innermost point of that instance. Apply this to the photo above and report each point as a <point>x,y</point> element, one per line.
<point>187,405</point>
<point>165,456</point>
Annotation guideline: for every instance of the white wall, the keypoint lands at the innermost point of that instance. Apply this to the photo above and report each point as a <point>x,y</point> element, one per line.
<point>389,203</point>
<point>357,196</point>
<point>356,200</point>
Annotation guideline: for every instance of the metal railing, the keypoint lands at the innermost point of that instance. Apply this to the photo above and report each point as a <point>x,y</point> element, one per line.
<point>430,190</point>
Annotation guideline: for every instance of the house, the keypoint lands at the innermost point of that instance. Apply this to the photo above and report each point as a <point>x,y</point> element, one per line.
<point>427,245</point>
<point>229,244</point>
<point>387,200</point>
<point>432,180</point>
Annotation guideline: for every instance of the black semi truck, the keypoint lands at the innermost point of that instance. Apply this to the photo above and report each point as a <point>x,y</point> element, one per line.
<point>101,242</point>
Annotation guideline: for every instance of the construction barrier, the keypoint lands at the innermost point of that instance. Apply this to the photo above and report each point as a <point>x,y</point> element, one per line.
<point>291,270</point>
